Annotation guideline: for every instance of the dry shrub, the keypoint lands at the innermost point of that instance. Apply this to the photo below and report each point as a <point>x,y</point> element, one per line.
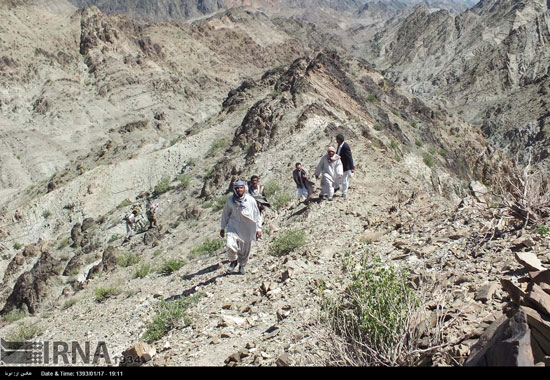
<point>524,195</point>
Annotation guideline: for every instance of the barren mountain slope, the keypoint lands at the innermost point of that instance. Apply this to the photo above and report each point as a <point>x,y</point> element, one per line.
<point>224,98</point>
<point>76,84</point>
<point>489,63</point>
<point>410,159</point>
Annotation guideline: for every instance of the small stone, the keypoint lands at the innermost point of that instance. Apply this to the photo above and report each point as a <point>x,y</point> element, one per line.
<point>287,274</point>
<point>229,320</point>
<point>19,259</point>
<point>244,353</point>
<point>235,357</point>
<point>399,243</point>
<point>283,361</point>
<point>138,354</point>
<point>458,235</point>
<point>542,277</point>
<point>479,191</point>
<point>245,309</point>
<point>462,280</point>
<point>540,298</point>
<point>529,260</point>
<point>274,292</point>
<point>282,314</point>
<point>485,293</point>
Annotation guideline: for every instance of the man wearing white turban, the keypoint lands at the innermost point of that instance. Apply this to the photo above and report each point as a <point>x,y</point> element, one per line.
<point>331,169</point>
<point>241,217</point>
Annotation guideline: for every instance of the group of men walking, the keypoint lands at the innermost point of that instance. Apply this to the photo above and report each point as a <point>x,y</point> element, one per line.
<point>242,215</point>
<point>132,218</point>
<point>335,170</point>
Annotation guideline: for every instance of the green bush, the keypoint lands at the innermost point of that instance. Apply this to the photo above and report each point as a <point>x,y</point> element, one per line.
<point>124,203</point>
<point>374,310</point>
<point>184,181</point>
<point>17,246</point>
<point>279,200</point>
<point>371,98</point>
<point>428,159</point>
<point>218,203</point>
<point>102,294</point>
<point>170,266</point>
<point>542,230</point>
<point>25,332</point>
<point>143,270</point>
<point>127,259</point>
<point>64,243</point>
<point>169,314</point>
<point>270,188</point>
<point>70,302</point>
<point>208,247</point>
<point>209,173</point>
<point>276,196</point>
<point>418,143</point>
<point>287,242</point>
<point>46,214</point>
<point>217,145</point>
<point>163,186</point>
<point>14,315</point>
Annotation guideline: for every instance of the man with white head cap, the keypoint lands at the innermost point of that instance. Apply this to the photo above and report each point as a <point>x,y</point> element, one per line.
<point>241,217</point>
<point>331,170</point>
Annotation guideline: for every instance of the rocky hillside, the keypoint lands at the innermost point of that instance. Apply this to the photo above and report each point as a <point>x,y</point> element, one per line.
<point>489,63</point>
<point>156,10</point>
<point>224,98</point>
<point>184,9</point>
<point>106,89</point>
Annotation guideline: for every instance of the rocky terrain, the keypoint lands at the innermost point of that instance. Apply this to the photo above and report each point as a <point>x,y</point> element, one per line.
<point>116,108</point>
<point>489,64</point>
<point>185,9</point>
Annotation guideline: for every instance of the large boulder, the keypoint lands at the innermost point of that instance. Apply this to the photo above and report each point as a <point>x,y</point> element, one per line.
<point>507,342</point>
<point>31,286</point>
<point>108,263</point>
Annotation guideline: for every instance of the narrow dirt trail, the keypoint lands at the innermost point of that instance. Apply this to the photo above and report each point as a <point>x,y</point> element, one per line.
<point>236,313</point>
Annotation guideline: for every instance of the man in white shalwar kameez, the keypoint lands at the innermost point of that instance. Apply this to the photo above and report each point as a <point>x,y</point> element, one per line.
<point>331,170</point>
<point>241,217</point>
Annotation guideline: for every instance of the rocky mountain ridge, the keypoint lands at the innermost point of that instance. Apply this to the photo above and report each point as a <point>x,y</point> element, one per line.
<point>184,9</point>
<point>218,99</point>
<point>497,81</point>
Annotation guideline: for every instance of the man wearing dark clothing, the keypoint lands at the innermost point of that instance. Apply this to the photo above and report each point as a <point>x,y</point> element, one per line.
<point>344,151</point>
<point>258,193</point>
<point>304,185</point>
